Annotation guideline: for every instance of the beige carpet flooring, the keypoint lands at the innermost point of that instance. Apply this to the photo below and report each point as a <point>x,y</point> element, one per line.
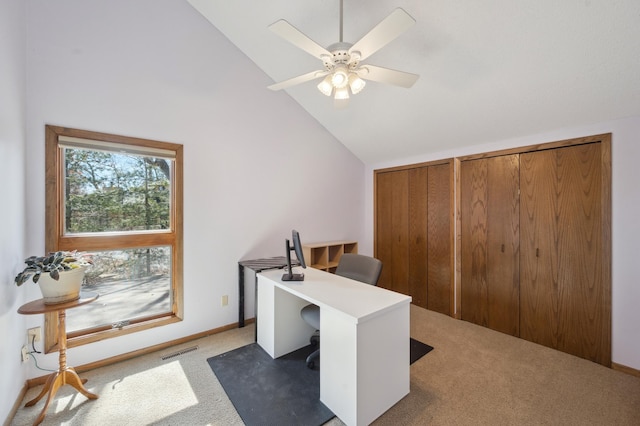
<point>474,376</point>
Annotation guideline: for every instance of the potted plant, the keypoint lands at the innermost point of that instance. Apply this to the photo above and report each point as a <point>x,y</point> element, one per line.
<point>58,274</point>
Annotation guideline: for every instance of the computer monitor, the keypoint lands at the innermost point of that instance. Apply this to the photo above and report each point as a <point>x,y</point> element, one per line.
<point>297,247</point>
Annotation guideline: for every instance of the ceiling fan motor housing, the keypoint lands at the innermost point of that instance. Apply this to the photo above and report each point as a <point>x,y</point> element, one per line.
<point>340,55</point>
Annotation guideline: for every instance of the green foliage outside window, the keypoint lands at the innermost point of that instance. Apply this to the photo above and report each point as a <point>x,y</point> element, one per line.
<point>113,192</point>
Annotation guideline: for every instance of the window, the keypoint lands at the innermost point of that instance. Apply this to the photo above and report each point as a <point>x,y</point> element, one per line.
<point>119,198</point>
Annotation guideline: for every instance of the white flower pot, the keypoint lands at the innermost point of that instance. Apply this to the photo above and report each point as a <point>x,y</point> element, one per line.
<point>66,289</point>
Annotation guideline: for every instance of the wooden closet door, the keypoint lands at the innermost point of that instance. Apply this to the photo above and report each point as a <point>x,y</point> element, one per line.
<point>392,229</point>
<point>439,240</point>
<point>490,242</point>
<point>564,302</point>
<point>418,237</point>
<point>413,234</point>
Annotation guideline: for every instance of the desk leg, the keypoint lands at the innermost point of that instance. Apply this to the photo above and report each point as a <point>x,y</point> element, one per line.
<point>241,296</point>
<point>64,376</point>
<point>255,308</point>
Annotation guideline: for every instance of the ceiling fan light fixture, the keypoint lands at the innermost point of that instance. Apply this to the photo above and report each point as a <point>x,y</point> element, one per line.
<point>356,84</point>
<point>325,87</point>
<point>342,93</point>
<point>340,78</point>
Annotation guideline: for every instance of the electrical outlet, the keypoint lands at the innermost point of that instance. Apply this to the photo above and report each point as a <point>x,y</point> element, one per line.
<point>34,334</point>
<point>25,354</point>
<point>225,300</point>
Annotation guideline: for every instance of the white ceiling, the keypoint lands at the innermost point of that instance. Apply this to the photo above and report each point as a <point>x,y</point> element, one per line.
<point>489,70</point>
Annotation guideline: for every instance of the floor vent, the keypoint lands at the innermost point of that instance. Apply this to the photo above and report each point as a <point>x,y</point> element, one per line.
<point>180,352</point>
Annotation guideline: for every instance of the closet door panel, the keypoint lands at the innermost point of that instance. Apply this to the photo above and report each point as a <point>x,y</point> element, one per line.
<point>392,235</point>
<point>474,218</point>
<point>564,301</point>
<point>439,272</point>
<point>418,184</point>
<point>490,242</point>
<point>539,304</point>
<point>581,294</point>
<point>503,244</point>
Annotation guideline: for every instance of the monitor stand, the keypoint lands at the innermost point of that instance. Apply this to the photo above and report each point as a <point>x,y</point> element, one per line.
<point>293,277</point>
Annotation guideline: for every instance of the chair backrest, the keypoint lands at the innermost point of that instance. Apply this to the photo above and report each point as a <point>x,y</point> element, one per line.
<point>359,267</point>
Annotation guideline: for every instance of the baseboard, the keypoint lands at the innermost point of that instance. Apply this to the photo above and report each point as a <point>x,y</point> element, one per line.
<point>625,369</point>
<point>123,357</point>
<point>16,405</point>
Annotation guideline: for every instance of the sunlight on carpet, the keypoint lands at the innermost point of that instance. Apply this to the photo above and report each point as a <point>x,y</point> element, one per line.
<point>162,392</point>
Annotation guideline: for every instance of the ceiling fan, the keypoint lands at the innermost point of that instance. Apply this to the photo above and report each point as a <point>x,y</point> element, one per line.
<point>343,71</point>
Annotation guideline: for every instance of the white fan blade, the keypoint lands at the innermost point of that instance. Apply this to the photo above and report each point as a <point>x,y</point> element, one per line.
<point>297,80</point>
<point>297,38</point>
<point>386,75</point>
<point>383,33</point>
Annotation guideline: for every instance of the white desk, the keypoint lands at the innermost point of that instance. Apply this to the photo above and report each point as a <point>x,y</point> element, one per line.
<point>364,350</point>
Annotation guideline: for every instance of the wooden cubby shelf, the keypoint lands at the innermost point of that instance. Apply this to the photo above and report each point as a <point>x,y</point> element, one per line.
<point>326,255</point>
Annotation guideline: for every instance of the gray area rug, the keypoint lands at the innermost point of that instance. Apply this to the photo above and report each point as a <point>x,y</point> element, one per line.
<point>280,391</point>
<point>268,391</point>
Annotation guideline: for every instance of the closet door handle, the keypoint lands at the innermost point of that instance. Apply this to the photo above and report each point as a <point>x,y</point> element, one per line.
<point>537,252</point>
<point>502,248</point>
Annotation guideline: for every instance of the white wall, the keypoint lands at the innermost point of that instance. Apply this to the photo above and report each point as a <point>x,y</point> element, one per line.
<point>625,225</point>
<point>256,165</point>
<point>12,194</point>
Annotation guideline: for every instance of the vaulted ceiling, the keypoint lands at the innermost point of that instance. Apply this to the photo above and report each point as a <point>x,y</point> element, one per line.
<point>489,70</point>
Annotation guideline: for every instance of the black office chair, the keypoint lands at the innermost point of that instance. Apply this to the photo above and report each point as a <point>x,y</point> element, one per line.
<point>358,267</point>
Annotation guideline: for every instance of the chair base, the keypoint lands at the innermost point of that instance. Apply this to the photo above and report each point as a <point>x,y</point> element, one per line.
<point>315,341</point>
<point>312,357</point>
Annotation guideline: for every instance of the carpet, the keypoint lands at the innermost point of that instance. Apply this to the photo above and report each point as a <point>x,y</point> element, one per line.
<point>278,391</point>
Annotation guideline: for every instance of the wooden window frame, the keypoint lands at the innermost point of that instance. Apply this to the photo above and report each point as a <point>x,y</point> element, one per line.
<point>56,240</point>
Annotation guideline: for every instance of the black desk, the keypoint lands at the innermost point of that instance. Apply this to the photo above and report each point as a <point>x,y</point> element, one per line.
<point>257,265</point>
